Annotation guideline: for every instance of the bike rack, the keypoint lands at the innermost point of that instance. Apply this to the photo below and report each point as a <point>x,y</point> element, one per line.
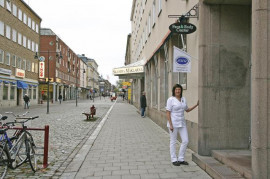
<point>46,142</point>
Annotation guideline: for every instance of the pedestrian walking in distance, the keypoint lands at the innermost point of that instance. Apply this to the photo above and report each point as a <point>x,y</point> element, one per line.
<point>176,123</point>
<point>26,101</point>
<point>60,98</point>
<point>143,104</point>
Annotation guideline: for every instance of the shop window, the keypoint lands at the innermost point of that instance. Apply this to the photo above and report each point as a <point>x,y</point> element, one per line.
<point>34,93</point>
<point>12,92</point>
<point>30,92</point>
<point>5,92</point>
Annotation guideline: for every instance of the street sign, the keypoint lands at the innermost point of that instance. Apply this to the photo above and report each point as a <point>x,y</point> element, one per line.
<point>182,28</point>
<point>42,58</point>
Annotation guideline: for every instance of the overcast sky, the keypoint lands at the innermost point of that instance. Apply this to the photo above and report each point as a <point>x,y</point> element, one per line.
<point>96,28</point>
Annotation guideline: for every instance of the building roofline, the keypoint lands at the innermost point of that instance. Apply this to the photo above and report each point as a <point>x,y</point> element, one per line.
<point>31,9</point>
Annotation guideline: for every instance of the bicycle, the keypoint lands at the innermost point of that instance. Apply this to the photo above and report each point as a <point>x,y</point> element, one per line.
<point>23,148</point>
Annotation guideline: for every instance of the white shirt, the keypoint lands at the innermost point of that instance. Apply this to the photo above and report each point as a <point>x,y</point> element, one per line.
<point>177,109</point>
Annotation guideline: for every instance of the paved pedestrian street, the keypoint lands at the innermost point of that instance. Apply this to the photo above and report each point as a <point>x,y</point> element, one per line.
<point>119,145</point>
<point>68,130</point>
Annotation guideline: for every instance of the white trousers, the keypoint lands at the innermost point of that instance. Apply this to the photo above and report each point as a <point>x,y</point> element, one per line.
<point>173,139</point>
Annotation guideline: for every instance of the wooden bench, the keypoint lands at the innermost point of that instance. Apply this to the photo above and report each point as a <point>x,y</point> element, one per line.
<point>92,113</point>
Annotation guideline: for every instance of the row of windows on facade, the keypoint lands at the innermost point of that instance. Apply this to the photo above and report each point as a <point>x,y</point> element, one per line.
<point>150,23</point>
<point>18,62</point>
<point>22,16</point>
<point>17,37</point>
<point>9,91</point>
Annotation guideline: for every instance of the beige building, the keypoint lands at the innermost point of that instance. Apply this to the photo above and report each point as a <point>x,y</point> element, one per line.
<point>19,40</point>
<point>231,82</point>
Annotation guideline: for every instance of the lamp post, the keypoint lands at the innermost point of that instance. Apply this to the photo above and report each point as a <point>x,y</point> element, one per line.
<point>58,55</point>
<point>77,85</point>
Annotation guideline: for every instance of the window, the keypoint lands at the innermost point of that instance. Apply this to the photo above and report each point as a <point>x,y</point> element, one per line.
<point>12,91</point>
<point>14,35</point>
<point>13,62</point>
<point>24,65</point>
<point>37,31</point>
<point>8,4</point>
<point>7,59</point>
<point>1,56</point>
<point>20,14</point>
<point>34,92</point>
<point>29,44</point>
<point>33,67</point>
<point>33,25</point>
<point>29,22</point>
<point>2,28</point>
<point>33,46</point>
<point>24,41</point>
<point>5,92</point>
<point>24,18</point>
<point>154,13</point>
<point>20,38</point>
<point>19,63</point>
<point>159,6</point>
<point>14,10</point>
<point>29,66</point>
<point>2,3</point>
<point>36,68</point>
<point>7,31</point>
<point>149,23</point>
<point>36,48</point>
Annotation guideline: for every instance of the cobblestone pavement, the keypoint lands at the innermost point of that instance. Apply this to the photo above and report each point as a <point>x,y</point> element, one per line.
<point>68,132</point>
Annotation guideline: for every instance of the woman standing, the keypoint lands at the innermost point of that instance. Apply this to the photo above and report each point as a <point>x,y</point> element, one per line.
<point>176,106</point>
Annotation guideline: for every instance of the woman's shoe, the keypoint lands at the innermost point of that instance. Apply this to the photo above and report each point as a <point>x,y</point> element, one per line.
<point>183,163</point>
<point>176,163</point>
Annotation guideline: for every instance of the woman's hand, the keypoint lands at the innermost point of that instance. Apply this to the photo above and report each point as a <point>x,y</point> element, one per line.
<point>171,128</point>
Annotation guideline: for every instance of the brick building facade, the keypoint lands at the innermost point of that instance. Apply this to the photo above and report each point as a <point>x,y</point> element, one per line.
<point>19,40</point>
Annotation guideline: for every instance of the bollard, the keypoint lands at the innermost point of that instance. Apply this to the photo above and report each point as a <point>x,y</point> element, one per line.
<point>46,147</point>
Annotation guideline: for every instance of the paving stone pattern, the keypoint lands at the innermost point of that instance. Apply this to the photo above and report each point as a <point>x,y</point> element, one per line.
<point>131,147</point>
<point>68,132</point>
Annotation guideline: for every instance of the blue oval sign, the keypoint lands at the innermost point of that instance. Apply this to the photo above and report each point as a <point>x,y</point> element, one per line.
<point>182,60</point>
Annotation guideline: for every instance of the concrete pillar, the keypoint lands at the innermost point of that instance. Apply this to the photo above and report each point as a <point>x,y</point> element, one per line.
<point>224,77</point>
<point>260,89</point>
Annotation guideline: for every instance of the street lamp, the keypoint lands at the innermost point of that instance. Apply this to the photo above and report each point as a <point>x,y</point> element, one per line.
<point>58,55</point>
<point>77,84</point>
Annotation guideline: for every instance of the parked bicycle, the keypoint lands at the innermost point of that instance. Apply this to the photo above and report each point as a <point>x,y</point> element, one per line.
<point>19,149</point>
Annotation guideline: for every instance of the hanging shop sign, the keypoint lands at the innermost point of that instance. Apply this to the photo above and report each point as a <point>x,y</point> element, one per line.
<point>19,73</point>
<point>182,61</point>
<point>182,28</point>
<point>41,70</point>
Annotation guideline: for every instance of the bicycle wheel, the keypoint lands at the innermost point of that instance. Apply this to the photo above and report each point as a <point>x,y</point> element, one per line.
<point>3,162</point>
<point>31,155</point>
<point>21,156</point>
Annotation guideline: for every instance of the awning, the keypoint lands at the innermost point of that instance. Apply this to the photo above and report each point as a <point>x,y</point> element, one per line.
<point>131,71</point>
<point>22,85</point>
